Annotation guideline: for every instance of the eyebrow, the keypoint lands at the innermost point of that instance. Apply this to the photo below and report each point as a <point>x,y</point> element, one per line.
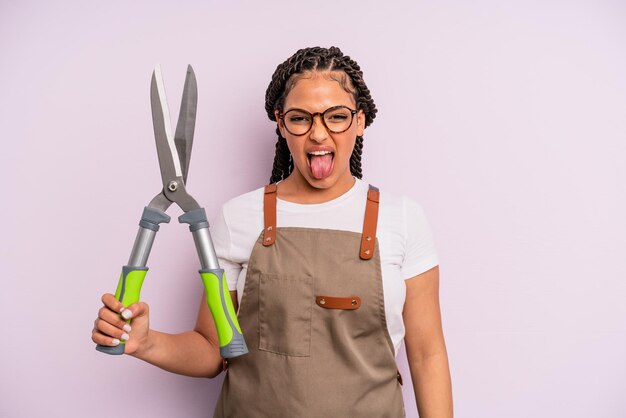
<point>299,108</point>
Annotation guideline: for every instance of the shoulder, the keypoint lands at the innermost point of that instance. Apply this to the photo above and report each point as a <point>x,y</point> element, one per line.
<point>401,218</point>
<point>243,215</point>
<point>244,204</point>
<point>399,206</point>
<point>239,225</point>
<point>405,235</point>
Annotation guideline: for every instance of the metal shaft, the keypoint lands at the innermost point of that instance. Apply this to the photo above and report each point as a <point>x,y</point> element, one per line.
<point>141,248</point>
<point>206,251</point>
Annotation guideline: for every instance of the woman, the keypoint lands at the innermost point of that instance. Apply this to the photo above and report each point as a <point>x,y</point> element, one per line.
<point>321,297</point>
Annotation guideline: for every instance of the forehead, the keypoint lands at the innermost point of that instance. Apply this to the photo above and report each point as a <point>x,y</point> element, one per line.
<point>317,93</point>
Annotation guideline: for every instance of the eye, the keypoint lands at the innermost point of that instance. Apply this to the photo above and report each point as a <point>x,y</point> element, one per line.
<point>298,118</point>
<point>337,117</point>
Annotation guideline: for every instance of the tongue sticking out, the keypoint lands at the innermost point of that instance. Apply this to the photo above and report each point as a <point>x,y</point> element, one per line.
<point>321,165</point>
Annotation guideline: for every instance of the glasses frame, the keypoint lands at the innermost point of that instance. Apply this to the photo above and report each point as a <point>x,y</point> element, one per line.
<point>353,112</point>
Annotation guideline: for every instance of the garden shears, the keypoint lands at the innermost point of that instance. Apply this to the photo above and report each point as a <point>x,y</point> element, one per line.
<point>174,153</point>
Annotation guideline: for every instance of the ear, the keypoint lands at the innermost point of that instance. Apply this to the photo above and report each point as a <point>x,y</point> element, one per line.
<point>360,122</point>
<point>280,124</point>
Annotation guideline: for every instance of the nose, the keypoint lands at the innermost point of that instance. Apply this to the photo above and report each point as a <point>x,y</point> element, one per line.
<point>318,132</point>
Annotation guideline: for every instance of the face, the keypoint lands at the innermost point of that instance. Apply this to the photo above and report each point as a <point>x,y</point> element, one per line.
<point>321,158</point>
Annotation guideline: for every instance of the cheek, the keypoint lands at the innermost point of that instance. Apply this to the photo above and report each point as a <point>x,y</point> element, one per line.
<point>295,148</point>
<point>347,146</point>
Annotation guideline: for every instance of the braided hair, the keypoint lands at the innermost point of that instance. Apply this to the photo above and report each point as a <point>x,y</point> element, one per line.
<point>308,60</point>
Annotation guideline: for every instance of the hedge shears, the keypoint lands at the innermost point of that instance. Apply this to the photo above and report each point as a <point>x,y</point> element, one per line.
<point>174,153</point>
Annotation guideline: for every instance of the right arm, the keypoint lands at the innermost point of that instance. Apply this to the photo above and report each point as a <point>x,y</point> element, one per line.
<point>193,353</point>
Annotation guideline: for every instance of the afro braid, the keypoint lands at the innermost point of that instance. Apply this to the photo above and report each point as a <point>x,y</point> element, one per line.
<point>316,59</point>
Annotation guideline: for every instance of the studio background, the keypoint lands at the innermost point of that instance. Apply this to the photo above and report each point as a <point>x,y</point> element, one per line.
<point>504,120</point>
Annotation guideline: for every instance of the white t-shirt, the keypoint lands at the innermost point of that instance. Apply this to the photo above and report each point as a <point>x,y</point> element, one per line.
<point>404,238</point>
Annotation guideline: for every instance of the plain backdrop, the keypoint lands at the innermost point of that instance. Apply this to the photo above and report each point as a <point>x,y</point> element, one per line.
<point>505,120</point>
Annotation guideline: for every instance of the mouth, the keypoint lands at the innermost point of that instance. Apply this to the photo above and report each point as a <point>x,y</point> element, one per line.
<point>321,163</point>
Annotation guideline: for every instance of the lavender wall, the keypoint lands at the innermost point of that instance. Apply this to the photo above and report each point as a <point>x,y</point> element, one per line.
<point>504,119</point>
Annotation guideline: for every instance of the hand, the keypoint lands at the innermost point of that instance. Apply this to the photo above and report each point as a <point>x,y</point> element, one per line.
<point>109,328</point>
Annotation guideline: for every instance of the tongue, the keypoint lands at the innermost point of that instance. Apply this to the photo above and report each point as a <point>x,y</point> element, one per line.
<point>321,165</point>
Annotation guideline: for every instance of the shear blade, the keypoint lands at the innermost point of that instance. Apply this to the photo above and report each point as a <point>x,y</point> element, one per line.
<point>169,160</point>
<point>186,121</point>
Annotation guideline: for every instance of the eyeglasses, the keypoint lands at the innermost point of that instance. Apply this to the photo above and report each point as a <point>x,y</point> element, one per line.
<point>336,119</point>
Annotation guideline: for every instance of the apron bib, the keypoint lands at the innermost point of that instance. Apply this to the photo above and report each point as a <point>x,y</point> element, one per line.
<point>313,316</point>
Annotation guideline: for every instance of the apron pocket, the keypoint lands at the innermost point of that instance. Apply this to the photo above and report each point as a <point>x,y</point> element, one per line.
<point>285,304</point>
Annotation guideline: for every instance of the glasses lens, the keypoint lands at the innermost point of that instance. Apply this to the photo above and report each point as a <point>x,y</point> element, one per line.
<point>338,120</point>
<point>297,122</point>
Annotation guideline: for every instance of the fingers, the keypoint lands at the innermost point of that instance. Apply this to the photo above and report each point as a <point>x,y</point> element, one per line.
<point>107,329</point>
<point>102,339</point>
<point>104,333</point>
<point>135,310</point>
<point>111,317</point>
<point>111,302</point>
<point>111,327</point>
<point>112,307</point>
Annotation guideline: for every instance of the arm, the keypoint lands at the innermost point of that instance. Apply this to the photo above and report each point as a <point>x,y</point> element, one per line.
<point>425,346</point>
<point>194,353</point>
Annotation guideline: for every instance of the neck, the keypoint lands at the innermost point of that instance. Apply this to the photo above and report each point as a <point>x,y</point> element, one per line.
<point>297,189</point>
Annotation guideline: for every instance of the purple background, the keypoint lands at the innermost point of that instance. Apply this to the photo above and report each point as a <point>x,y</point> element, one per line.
<point>505,120</point>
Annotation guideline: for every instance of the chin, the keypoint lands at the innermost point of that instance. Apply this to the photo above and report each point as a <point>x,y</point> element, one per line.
<point>325,183</point>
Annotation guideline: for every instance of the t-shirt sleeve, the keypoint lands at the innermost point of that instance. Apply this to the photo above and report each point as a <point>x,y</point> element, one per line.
<point>220,234</point>
<point>420,253</point>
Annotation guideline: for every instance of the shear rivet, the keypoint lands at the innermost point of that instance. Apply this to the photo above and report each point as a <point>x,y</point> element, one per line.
<point>354,301</point>
<point>368,238</point>
<point>268,239</point>
<point>172,186</point>
<point>367,252</point>
<point>269,228</point>
<point>322,301</point>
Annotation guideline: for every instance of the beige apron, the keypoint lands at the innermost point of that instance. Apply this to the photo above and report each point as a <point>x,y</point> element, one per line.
<point>313,316</point>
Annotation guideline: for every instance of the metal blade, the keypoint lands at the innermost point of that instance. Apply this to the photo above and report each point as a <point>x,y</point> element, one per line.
<point>187,121</point>
<point>160,202</point>
<point>166,148</point>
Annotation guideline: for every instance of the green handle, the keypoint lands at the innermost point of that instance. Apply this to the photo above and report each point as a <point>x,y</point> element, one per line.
<point>218,298</point>
<point>127,292</point>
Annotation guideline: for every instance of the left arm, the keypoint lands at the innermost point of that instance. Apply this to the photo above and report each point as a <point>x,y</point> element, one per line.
<point>425,346</point>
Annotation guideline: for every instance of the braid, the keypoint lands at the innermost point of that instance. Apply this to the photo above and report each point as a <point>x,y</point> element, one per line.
<point>283,80</point>
<point>355,159</point>
<point>283,164</point>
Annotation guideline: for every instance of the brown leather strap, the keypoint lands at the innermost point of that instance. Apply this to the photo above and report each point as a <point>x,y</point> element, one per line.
<point>330,302</point>
<point>269,215</point>
<point>399,378</point>
<point>224,364</point>
<point>368,238</point>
